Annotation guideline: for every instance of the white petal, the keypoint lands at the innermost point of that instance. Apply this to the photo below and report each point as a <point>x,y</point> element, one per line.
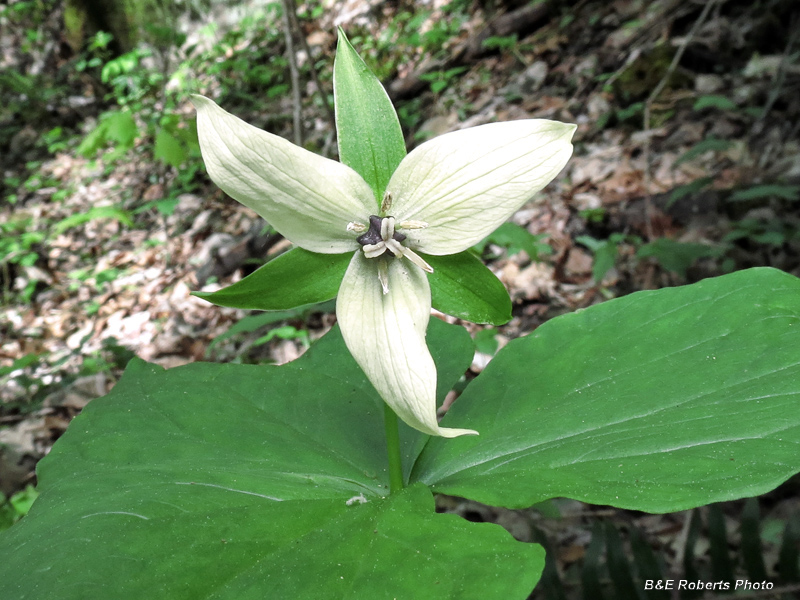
<point>306,197</point>
<point>464,184</point>
<point>385,333</point>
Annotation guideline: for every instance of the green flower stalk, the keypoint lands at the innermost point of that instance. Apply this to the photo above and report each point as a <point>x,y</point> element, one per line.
<point>444,197</point>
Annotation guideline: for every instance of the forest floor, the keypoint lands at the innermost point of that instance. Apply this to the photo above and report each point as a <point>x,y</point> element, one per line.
<point>686,165</point>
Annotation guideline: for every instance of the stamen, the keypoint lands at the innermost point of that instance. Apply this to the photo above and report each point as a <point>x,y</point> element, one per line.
<point>381,236</point>
<point>385,224</point>
<point>386,205</point>
<point>395,247</point>
<point>374,250</point>
<point>417,260</point>
<point>383,275</point>
<point>356,227</point>
<point>412,225</point>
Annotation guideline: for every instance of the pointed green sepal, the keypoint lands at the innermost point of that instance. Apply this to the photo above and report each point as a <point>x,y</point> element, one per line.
<point>462,286</point>
<point>293,279</point>
<point>370,138</point>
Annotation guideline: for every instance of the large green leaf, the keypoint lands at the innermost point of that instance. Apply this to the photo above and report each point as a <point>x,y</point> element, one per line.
<point>658,401</point>
<point>235,481</point>
<point>462,286</point>
<point>370,138</point>
<point>293,279</point>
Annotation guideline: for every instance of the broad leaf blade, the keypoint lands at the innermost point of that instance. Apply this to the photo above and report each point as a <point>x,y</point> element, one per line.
<point>204,543</point>
<point>293,279</point>
<point>462,286</point>
<point>237,481</point>
<point>370,138</point>
<point>659,401</point>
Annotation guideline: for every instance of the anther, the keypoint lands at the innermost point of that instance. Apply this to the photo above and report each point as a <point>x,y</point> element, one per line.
<point>417,260</point>
<point>412,225</point>
<point>386,205</point>
<point>387,228</point>
<point>374,250</point>
<point>356,227</point>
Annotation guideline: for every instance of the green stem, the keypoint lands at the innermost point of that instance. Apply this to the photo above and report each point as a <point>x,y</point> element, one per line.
<point>393,449</point>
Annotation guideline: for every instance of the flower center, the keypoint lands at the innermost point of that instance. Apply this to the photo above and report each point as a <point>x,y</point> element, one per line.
<point>381,236</point>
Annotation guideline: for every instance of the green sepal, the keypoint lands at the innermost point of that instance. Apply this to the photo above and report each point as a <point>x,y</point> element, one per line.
<point>293,279</point>
<point>464,287</point>
<point>658,401</point>
<point>369,133</point>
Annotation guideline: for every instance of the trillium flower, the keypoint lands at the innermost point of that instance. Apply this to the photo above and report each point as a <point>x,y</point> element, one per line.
<point>444,197</point>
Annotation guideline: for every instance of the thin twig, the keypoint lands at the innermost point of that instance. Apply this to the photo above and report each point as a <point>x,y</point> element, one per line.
<point>314,75</point>
<point>288,9</point>
<point>780,77</point>
<point>648,204</point>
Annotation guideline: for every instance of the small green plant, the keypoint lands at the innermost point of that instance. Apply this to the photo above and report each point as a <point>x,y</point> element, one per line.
<point>486,342</point>
<point>593,215</point>
<point>129,80</point>
<point>176,144</point>
<point>56,140</point>
<point>677,256</point>
<point>516,239</point>
<point>253,324</point>
<point>707,145</point>
<point>770,232</point>
<point>286,332</point>
<point>500,43</point>
<point>631,114</point>
<point>111,355</point>
<point>671,255</point>
<point>93,214</point>
<point>96,53</point>
<point>117,128</point>
<point>605,251</point>
<point>19,247</point>
<point>411,32</point>
<point>790,193</point>
<point>440,80</point>
<point>508,43</point>
<point>689,189</point>
<point>716,102</point>
<point>98,279</point>
<point>17,506</point>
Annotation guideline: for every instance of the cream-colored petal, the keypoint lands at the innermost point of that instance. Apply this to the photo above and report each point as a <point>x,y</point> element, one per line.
<point>306,197</point>
<point>385,333</point>
<point>464,184</point>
